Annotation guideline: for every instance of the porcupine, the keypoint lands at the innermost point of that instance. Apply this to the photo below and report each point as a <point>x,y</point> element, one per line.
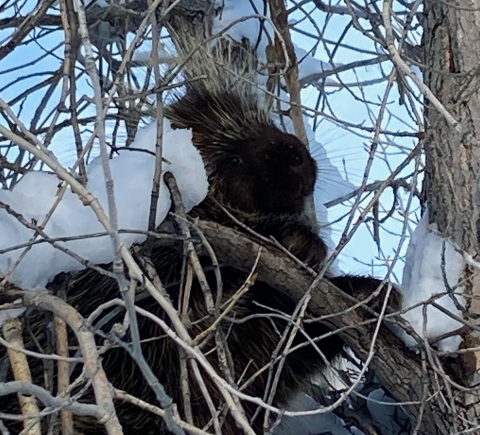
<point>262,175</point>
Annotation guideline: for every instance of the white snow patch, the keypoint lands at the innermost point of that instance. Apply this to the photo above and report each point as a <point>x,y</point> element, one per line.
<point>423,277</point>
<point>309,67</point>
<point>252,29</point>
<point>145,56</point>
<point>132,172</point>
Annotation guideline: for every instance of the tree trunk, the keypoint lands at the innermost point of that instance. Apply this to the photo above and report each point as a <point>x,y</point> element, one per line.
<point>452,54</point>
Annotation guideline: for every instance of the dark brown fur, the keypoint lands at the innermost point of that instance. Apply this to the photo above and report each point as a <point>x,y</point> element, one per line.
<point>262,176</point>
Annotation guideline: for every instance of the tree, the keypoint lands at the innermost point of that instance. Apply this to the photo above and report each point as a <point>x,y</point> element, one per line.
<point>452,191</point>
<point>420,99</point>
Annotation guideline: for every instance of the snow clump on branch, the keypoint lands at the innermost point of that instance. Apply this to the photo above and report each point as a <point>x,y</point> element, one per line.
<point>132,172</point>
<point>430,260</point>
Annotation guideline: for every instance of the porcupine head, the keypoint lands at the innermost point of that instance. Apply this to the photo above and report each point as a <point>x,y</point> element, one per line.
<point>253,166</point>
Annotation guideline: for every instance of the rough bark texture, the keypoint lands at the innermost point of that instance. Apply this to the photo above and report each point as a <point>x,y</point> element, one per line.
<point>452,53</point>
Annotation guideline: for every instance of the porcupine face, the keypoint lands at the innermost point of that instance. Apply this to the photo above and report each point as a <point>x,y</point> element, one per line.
<point>268,171</point>
<point>252,165</point>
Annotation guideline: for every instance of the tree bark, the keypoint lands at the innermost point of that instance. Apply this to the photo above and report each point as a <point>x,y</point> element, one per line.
<point>452,53</point>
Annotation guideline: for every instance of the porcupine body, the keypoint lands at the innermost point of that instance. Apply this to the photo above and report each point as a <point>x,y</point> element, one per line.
<point>262,175</point>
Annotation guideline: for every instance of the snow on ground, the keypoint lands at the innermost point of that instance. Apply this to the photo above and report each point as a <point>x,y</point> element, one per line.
<point>132,172</point>
<point>423,277</point>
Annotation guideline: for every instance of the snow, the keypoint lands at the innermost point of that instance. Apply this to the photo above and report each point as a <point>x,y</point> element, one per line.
<point>36,193</point>
<point>132,172</point>
<point>145,56</point>
<point>258,33</point>
<point>423,278</point>
<point>309,67</point>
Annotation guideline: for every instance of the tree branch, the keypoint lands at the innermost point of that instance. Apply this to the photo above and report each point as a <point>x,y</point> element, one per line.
<point>401,373</point>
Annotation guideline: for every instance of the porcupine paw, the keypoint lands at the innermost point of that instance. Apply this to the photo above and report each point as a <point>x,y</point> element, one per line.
<point>304,243</point>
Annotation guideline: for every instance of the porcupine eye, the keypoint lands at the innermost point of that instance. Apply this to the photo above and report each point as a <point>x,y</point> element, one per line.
<point>235,161</point>
<point>296,159</point>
